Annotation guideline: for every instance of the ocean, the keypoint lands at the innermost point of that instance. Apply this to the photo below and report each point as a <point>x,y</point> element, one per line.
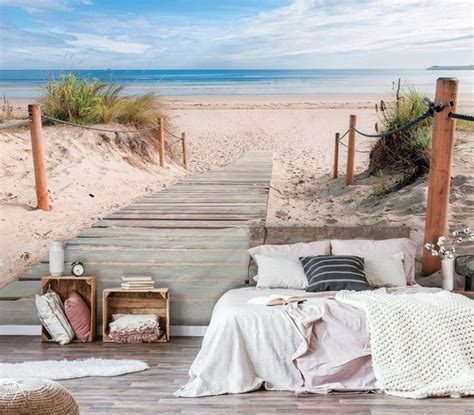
<point>31,83</point>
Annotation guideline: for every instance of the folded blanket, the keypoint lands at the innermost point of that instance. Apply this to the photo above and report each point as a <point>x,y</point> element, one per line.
<point>422,344</point>
<point>136,336</point>
<point>129,322</point>
<point>135,328</point>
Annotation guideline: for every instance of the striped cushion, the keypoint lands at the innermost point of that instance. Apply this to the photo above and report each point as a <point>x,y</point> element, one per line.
<point>334,273</point>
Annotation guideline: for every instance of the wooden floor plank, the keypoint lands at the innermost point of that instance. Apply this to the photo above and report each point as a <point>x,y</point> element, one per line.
<point>151,392</point>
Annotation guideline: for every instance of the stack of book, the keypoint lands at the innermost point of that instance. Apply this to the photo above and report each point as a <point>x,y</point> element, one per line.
<point>137,283</point>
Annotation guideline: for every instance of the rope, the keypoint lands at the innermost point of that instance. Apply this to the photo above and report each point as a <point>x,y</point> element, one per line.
<point>21,123</point>
<point>97,129</point>
<point>345,145</point>
<point>175,142</point>
<point>464,117</point>
<point>171,134</point>
<point>432,108</point>
<point>398,129</point>
<point>357,151</point>
<point>340,138</point>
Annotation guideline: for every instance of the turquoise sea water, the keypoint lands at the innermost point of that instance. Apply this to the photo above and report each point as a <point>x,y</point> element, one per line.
<point>31,83</point>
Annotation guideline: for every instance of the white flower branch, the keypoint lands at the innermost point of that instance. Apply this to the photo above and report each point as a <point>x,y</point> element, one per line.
<point>440,249</point>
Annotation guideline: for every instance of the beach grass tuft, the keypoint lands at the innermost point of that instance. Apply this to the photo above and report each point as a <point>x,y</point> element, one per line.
<point>408,151</point>
<point>88,101</point>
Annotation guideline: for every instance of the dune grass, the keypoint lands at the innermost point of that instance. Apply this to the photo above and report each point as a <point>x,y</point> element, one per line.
<point>408,151</point>
<point>463,125</point>
<point>88,101</point>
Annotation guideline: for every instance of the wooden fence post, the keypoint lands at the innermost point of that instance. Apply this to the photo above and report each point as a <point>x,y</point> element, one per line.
<point>351,151</point>
<point>336,156</point>
<point>161,143</point>
<point>38,156</point>
<point>439,182</point>
<point>183,144</point>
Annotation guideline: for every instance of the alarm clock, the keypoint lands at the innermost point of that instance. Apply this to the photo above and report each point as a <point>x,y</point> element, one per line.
<point>78,269</point>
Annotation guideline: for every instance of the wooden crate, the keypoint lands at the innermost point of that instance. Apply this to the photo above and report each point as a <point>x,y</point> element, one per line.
<point>86,286</point>
<point>120,301</point>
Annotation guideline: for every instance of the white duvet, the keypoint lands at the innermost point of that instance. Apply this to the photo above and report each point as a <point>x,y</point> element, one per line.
<point>245,346</point>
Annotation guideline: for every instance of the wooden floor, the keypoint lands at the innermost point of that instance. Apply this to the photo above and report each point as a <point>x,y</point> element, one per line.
<point>151,392</point>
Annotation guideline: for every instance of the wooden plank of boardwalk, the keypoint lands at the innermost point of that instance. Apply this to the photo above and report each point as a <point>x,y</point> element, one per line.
<point>232,196</point>
<point>151,391</point>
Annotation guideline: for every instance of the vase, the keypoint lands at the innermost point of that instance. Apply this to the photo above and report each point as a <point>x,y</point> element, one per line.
<point>56,259</point>
<point>447,272</point>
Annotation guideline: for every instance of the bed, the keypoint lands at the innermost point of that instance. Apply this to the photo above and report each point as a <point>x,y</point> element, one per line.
<point>394,336</point>
<point>249,346</point>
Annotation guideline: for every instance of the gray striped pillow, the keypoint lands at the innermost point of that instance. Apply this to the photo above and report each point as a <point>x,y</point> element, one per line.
<point>334,273</point>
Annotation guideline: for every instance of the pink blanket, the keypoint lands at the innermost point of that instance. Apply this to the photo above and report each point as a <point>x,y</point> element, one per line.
<point>336,352</point>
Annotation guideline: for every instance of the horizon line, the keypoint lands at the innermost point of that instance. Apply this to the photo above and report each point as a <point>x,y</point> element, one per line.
<point>221,69</point>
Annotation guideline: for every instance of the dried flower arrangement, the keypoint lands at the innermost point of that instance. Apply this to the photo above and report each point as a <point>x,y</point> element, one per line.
<point>441,248</point>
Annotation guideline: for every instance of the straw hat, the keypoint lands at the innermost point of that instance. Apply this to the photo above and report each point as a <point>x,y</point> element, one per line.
<point>35,396</point>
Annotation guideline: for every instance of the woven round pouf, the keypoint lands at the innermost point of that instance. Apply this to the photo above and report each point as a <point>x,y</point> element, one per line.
<point>35,396</point>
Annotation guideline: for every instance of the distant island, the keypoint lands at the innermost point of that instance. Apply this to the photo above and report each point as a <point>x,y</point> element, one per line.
<point>451,68</point>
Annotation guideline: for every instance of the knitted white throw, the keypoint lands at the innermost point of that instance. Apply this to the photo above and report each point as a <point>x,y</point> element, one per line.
<point>422,344</point>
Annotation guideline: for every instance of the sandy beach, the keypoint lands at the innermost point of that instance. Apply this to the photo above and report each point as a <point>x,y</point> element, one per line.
<point>90,176</point>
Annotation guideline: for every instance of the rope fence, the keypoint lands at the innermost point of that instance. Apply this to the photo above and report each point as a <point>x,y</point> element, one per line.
<point>171,134</point>
<point>104,130</point>
<point>21,123</point>
<point>433,108</point>
<point>346,146</point>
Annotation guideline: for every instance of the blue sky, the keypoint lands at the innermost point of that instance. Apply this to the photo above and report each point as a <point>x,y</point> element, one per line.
<point>176,34</point>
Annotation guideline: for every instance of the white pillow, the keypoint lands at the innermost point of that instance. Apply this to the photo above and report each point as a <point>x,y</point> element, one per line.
<point>280,272</point>
<point>294,251</point>
<point>385,271</point>
<point>384,248</point>
<point>51,314</point>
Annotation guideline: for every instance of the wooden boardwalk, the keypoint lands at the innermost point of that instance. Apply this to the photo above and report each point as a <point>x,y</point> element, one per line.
<point>229,197</point>
<point>191,237</point>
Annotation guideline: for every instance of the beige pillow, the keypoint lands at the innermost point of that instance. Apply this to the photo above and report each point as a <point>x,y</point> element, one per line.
<point>385,271</point>
<point>292,251</point>
<point>388,247</point>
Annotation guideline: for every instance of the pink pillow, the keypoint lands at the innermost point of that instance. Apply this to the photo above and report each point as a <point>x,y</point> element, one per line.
<point>79,316</point>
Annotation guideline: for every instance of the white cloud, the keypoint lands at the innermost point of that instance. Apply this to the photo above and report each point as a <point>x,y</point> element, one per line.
<point>308,30</point>
<point>103,43</point>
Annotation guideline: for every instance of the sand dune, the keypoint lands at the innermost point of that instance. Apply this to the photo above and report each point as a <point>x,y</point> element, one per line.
<point>89,176</point>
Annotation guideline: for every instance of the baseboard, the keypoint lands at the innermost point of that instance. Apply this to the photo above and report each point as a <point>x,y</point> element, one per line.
<point>20,330</point>
<point>35,330</point>
<point>188,331</point>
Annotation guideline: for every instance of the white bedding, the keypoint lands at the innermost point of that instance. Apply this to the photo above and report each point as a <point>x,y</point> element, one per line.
<point>244,347</point>
<point>247,346</point>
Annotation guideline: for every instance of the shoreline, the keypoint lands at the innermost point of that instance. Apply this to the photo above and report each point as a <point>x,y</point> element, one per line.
<point>355,101</point>
<point>310,96</point>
